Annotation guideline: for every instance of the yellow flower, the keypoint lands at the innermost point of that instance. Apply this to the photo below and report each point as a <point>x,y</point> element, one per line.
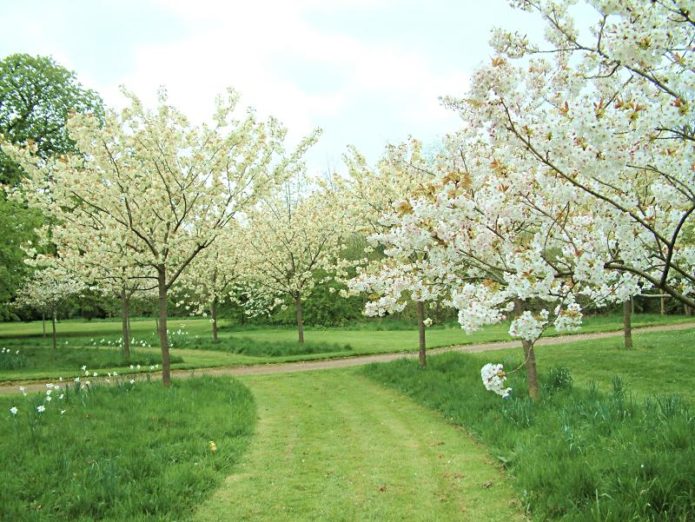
<point>212,446</point>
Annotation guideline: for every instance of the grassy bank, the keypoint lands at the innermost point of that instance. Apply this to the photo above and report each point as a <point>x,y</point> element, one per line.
<point>597,446</point>
<point>125,452</point>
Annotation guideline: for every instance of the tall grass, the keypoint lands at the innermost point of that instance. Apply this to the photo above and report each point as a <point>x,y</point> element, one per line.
<point>578,454</point>
<point>125,452</point>
<point>67,358</point>
<point>261,348</point>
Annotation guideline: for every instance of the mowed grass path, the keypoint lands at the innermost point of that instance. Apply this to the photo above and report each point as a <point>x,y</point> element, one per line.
<point>334,445</point>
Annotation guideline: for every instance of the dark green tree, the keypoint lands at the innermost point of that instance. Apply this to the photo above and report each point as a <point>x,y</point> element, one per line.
<point>36,97</point>
<point>17,224</point>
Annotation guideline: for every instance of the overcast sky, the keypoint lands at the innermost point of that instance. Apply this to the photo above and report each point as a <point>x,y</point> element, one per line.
<point>367,72</point>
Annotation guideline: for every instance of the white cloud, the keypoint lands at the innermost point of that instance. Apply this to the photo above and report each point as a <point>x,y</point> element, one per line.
<point>245,45</point>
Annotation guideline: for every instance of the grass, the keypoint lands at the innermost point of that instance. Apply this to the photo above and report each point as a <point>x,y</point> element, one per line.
<point>68,359</point>
<point>381,341</point>
<point>385,339</point>
<point>332,445</point>
<point>610,443</point>
<point>191,341</point>
<point>260,348</point>
<point>126,452</point>
<point>660,363</point>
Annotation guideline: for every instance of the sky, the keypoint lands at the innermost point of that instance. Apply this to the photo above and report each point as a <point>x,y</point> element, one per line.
<point>367,72</point>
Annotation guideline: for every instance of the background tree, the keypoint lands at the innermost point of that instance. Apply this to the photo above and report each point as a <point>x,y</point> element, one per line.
<point>106,264</point>
<point>372,197</point>
<point>36,97</point>
<point>216,275</point>
<point>292,236</point>
<point>47,290</point>
<point>156,186</point>
<point>17,228</point>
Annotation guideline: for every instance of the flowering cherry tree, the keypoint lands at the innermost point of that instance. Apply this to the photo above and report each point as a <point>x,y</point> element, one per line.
<point>293,238</point>
<point>47,289</point>
<point>215,275</point>
<point>490,247</point>
<point>608,112</point>
<point>157,186</point>
<point>572,175</point>
<point>375,198</point>
<point>106,266</point>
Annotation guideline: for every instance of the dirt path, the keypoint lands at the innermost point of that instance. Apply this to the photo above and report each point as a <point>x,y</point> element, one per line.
<point>360,360</point>
<point>337,446</point>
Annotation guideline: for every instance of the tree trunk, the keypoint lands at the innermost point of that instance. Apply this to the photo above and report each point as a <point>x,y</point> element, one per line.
<point>43,323</point>
<point>53,324</point>
<point>422,356</point>
<point>662,300</point>
<point>300,318</point>
<point>531,371</point>
<point>627,324</point>
<point>213,318</point>
<point>688,311</point>
<point>162,324</point>
<point>529,358</point>
<point>125,324</point>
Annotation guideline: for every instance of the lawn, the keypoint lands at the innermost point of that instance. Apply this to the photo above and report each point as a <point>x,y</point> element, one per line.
<point>332,445</point>
<point>95,343</point>
<point>125,452</point>
<point>355,444</point>
<point>613,437</point>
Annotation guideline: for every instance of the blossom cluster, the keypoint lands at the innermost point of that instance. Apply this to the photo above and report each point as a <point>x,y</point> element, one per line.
<point>494,379</point>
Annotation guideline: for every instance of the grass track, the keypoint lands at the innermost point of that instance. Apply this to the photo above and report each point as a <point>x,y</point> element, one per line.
<point>335,446</point>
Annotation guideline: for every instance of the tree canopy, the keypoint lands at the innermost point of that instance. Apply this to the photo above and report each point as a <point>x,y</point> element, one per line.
<point>36,97</point>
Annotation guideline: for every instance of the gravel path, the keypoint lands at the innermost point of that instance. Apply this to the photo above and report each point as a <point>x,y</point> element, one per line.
<point>327,364</point>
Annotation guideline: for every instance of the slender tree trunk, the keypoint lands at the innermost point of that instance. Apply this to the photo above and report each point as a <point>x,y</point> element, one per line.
<point>300,318</point>
<point>43,322</point>
<point>213,318</point>
<point>627,324</point>
<point>529,359</point>
<point>687,310</point>
<point>662,300</point>
<point>125,324</point>
<point>53,324</point>
<point>531,370</point>
<point>162,324</point>
<point>422,355</point>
